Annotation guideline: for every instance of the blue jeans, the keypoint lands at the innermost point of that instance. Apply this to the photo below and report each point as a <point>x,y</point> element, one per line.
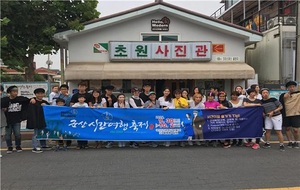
<point>35,142</point>
<point>9,129</point>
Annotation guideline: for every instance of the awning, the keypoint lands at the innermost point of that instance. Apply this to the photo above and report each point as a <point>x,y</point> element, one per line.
<point>155,70</point>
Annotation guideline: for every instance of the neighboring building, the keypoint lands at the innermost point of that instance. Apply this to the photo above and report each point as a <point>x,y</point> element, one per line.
<point>158,43</point>
<point>273,58</point>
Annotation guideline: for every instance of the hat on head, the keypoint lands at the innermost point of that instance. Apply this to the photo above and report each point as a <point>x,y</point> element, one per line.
<point>109,87</point>
<point>290,83</point>
<point>150,93</point>
<point>12,88</point>
<point>39,90</point>
<point>134,89</point>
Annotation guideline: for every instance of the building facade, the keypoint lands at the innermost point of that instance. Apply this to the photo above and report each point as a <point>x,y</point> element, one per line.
<point>274,58</point>
<point>159,43</point>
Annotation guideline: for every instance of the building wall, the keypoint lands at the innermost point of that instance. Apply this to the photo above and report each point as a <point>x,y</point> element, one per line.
<point>81,46</point>
<point>265,57</point>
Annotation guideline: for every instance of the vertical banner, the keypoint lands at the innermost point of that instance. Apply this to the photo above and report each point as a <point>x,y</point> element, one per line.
<point>150,124</point>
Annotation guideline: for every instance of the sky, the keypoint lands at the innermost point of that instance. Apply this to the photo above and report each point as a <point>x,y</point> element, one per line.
<point>108,7</point>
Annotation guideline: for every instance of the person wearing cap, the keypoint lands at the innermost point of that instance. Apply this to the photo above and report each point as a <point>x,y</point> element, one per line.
<point>291,113</point>
<point>109,97</point>
<point>135,101</point>
<point>145,94</point>
<point>36,119</point>
<point>15,110</point>
<point>273,118</point>
<point>248,102</point>
<point>152,103</point>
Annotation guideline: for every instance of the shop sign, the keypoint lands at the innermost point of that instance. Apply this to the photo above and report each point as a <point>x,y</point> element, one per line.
<point>162,51</point>
<point>160,24</point>
<point>101,48</point>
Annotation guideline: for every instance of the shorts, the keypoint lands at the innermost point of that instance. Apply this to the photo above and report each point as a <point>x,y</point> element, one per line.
<point>275,121</point>
<point>291,121</point>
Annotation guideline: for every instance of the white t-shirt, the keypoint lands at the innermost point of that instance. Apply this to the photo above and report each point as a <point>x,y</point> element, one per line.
<point>198,106</point>
<point>103,101</point>
<point>51,96</point>
<point>162,102</point>
<point>239,104</point>
<point>116,105</point>
<point>78,105</point>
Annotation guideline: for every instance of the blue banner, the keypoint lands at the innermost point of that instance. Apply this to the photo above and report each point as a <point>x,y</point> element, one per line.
<point>130,124</point>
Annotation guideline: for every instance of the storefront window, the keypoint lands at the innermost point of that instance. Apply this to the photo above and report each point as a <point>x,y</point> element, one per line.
<point>159,37</point>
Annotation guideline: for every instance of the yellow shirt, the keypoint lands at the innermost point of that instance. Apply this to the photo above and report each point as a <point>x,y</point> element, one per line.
<point>183,101</point>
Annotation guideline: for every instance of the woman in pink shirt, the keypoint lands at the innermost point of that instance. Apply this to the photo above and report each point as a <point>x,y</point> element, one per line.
<point>211,103</point>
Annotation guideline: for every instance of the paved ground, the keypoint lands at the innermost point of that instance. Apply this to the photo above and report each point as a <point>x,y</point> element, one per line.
<point>151,168</point>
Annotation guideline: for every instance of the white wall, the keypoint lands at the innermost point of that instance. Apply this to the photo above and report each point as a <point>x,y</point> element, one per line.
<point>265,58</point>
<point>81,46</point>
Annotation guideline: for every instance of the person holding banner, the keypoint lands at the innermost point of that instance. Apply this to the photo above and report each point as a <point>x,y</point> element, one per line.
<point>179,103</point>
<point>196,103</point>
<point>97,100</point>
<point>152,103</point>
<point>291,113</point>
<point>121,103</point>
<point>224,104</point>
<point>236,102</point>
<point>166,102</point>
<point>252,101</point>
<point>36,119</point>
<point>109,97</point>
<point>273,118</point>
<point>82,86</point>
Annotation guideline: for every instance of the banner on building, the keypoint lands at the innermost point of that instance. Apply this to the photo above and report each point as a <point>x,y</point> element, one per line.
<point>150,124</point>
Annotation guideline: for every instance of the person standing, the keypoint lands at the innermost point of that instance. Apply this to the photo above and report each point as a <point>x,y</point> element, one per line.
<point>145,94</point>
<point>98,101</point>
<point>14,108</point>
<point>291,113</point>
<point>109,97</point>
<point>36,119</point>
<point>82,87</point>
<point>135,102</point>
<point>236,103</point>
<point>54,94</point>
<point>273,118</point>
<point>3,121</point>
<point>248,102</point>
<point>64,94</point>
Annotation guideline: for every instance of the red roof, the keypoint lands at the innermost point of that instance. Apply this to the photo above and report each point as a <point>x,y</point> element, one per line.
<point>40,71</point>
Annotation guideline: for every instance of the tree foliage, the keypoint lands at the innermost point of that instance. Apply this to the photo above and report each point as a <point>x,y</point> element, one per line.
<point>30,26</point>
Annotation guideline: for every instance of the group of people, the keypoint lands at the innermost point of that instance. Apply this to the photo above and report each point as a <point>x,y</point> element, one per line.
<point>277,113</point>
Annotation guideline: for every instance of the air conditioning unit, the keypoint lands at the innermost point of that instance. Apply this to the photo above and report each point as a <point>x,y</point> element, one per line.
<point>289,21</point>
<point>273,22</point>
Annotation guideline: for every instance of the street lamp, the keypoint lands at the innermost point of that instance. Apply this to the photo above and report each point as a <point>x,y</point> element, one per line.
<point>49,62</point>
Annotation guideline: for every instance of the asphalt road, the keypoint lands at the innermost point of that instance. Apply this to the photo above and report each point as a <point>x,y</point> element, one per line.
<point>151,168</point>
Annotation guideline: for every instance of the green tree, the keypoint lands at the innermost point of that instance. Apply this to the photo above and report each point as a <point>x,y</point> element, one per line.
<point>31,25</point>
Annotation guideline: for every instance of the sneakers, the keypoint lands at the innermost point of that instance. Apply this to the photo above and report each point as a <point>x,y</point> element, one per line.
<point>9,150</point>
<point>134,145</point>
<point>121,144</point>
<point>109,145</point>
<point>281,148</point>
<point>167,144</point>
<point>227,145</point>
<point>182,144</point>
<point>295,145</point>
<point>190,143</point>
<point>153,144</point>
<point>19,149</point>
<point>198,143</point>
<point>248,144</point>
<point>37,150</point>
<point>255,146</point>
<point>290,145</point>
<point>267,145</point>
<point>46,148</point>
